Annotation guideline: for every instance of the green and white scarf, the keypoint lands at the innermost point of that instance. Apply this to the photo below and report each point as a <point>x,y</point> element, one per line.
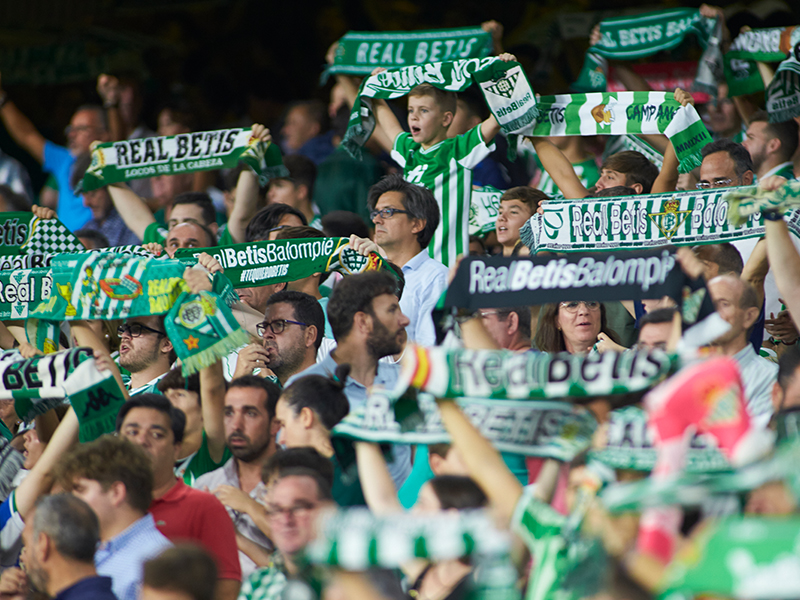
<point>629,445</point>
<point>114,162</point>
<point>22,289</point>
<point>619,113</point>
<point>28,242</point>
<point>536,375</point>
<point>753,558</point>
<point>541,428</point>
<point>646,221</point>
<point>783,93</point>
<point>693,489</point>
<point>483,210</point>
<point>264,263</point>
<point>640,36</point>
<point>356,540</point>
<point>360,52</point>
<point>762,45</point>
<point>746,203</point>
<point>41,383</point>
<point>42,334</point>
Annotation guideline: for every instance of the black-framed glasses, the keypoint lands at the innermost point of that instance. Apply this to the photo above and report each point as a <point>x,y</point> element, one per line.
<point>277,326</point>
<point>572,307</point>
<point>719,182</point>
<point>387,213</point>
<point>136,329</point>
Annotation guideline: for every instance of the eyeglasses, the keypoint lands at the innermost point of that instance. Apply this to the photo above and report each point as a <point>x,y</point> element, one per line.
<point>298,511</point>
<point>276,326</point>
<point>705,185</point>
<point>136,329</point>
<point>572,307</point>
<point>387,213</point>
<point>488,313</point>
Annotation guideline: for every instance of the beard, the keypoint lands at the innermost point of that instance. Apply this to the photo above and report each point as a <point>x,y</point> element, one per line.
<point>382,342</point>
<point>249,452</point>
<point>286,362</point>
<point>138,359</point>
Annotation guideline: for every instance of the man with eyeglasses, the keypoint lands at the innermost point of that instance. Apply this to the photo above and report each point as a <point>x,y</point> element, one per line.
<point>725,164</point>
<point>655,329</point>
<point>294,502</point>
<point>291,335</point>
<point>146,352</point>
<point>88,124</point>
<point>405,217</point>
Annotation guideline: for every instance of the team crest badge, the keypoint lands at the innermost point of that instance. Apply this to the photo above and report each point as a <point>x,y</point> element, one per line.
<point>670,219</point>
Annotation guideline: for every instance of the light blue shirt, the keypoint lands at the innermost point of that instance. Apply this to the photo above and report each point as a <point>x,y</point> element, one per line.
<point>71,210</point>
<point>426,278</point>
<point>386,376</point>
<point>122,557</point>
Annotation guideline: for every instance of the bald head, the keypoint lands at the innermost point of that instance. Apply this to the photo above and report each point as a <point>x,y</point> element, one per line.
<point>188,235</point>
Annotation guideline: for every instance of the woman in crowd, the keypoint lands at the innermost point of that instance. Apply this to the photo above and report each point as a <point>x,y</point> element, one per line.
<point>572,327</point>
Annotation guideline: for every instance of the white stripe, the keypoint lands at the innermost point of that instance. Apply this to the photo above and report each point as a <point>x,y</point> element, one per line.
<point>452,210</point>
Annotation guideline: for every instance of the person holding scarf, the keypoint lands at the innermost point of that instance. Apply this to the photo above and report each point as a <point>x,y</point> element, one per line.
<point>573,327</point>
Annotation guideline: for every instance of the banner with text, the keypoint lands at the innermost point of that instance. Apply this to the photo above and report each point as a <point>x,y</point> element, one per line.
<point>28,242</point>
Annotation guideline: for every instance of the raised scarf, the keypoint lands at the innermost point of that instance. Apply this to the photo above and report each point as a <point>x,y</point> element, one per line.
<point>114,162</point>
<point>483,210</point>
<point>640,36</point>
<point>360,52</point>
<point>646,221</point>
<point>28,242</point>
<point>747,203</point>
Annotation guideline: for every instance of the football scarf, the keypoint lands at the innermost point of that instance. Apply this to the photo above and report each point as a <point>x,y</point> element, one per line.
<point>745,203</point>
<point>640,36</point>
<point>763,45</point>
<point>41,383</point>
<point>114,162</point>
<point>783,93</point>
<point>620,113</point>
<point>541,428</point>
<point>22,289</point>
<point>652,220</point>
<point>360,52</point>
<point>264,263</point>
<point>483,210</point>
<point>28,242</point>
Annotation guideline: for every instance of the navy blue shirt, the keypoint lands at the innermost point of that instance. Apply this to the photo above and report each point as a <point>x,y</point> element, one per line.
<point>91,588</point>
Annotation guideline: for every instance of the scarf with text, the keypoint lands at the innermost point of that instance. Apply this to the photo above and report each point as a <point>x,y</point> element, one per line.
<point>114,162</point>
<point>556,430</point>
<point>264,263</point>
<point>647,221</point>
<point>745,203</point>
<point>360,52</point>
<point>531,375</point>
<point>619,113</point>
<point>28,242</point>
<point>783,93</point>
<point>356,540</point>
<point>640,36</point>
<point>753,557</point>
<point>39,384</point>
<point>483,210</point>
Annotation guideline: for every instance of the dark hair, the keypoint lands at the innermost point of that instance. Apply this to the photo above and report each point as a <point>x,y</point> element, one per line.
<point>210,237</point>
<point>267,219</point>
<point>788,363</point>
<point>660,315</point>
<point>186,568</point>
<point>304,457</point>
<point>202,200</point>
<point>549,338</point>
<point>354,294</point>
<point>636,168</point>
<point>456,491</point>
<point>302,171</point>
<point>323,395</point>
<point>523,315</point>
<point>473,102</point>
<point>343,223</point>
<point>298,233</point>
<point>70,523</point>
<point>738,153</point>
<point>726,256</point>
<point>611,192</point>
<point>96,109</point>
<point>272,391</point>
<point>174,380</point>
<point>529,196</point>
<point>315,110</point>
<point>785,131</point>
<point>323,489</point>
<point>447,101</point>
<point>106,460</point>
<point>417,200</point>
<point>16,202</point>
<point>157,402</point>
<point>100,240</point>
<point>307,309</point>
<point>181,112</point>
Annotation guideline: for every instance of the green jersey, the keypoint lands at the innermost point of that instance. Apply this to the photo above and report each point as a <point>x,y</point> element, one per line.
<point>199,463</point>
<point>586,170</point>
<point>446,170</point>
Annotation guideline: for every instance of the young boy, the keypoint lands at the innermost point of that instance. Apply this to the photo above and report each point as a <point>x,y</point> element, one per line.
<point>517,205</point>
<point>443,165</point>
